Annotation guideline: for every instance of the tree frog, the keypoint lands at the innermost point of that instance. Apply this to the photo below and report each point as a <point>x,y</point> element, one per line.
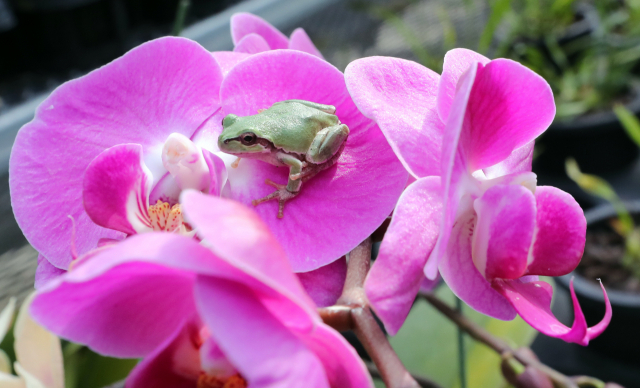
<point>302,135</point>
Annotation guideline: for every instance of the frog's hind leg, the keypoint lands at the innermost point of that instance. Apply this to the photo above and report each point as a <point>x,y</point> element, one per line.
<point>312,170</point>
<point>281,194</point>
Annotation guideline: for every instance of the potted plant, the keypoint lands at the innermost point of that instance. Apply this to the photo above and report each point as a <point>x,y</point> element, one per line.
<point>612,255</point>
<point>588,54</point>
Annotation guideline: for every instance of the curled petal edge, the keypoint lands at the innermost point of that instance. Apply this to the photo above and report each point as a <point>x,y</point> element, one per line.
<point>528,298</point>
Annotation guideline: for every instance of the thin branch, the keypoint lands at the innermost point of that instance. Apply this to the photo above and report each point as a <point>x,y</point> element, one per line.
<point>423,381</point>
<point>352,312</point>
<point>501,347</point>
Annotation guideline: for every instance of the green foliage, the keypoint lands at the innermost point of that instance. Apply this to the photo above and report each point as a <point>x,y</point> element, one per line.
<point>598,187</point>
<point>589,71</point>
<point>435,332</point>
<point>84,368</point>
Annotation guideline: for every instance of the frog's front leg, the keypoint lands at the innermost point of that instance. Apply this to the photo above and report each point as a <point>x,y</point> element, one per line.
<point>288,191</point>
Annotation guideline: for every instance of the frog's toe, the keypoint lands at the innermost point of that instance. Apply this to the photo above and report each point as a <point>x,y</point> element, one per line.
<point>282,195</point>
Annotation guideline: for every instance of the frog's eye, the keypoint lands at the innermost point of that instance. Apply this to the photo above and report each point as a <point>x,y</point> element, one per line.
<point>248,138</point>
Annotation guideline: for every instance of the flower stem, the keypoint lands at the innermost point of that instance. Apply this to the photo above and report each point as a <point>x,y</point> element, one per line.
<point>461,353</point>
<point>353,312</point>
<point>478,333</point>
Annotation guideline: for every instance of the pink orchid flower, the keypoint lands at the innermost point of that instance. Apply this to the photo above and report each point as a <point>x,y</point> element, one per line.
<point>483,223</point>
<point>339,207</point>
<point>227,311</point>
<point>251,35</point>
<point>112,150</point>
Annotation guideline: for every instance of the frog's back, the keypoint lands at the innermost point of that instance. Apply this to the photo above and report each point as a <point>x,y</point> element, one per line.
<point>292,126</point>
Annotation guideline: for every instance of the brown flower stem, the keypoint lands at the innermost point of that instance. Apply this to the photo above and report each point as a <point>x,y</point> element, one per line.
<point>423,381</point>
<point>501,347</point>
<point>352,313</point>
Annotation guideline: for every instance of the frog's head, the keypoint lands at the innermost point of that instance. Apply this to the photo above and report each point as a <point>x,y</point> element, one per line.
<point>239,137</point>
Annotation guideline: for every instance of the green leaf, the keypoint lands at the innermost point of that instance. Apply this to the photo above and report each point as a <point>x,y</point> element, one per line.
<point>498,10</point>
<point>87,369</point>
<point>427,345</point>
<point>629,122</point>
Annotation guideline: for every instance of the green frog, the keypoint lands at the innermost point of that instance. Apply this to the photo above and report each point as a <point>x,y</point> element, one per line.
<point>305,136</point>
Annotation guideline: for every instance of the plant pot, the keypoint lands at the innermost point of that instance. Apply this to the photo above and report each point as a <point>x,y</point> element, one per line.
<point>597,141</point>
<point>620,340</point>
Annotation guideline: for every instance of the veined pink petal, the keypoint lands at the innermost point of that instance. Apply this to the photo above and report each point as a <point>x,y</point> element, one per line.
<point>259,345</point>
<point>509,106</point>
<point>532,301</point>
<point>251,44</point>
<point>300,41</point>
<point>519,161</point>
<point>395,277</point>
<point>174,364</point>
<point>318,226</point>
<point>400,96</point>
<point>324,285</point>
<point>116,189</point>
<point>228,59</point>
<point>560,233</point>
<point>503,231</point>
<point>46,271</point>
<point>87,303</point>
<point>122,102</point>
<point>456,62</point>
<point>341,362</point>
<point>453,169</point>
<point>219,222</point>
<point>243,24</point>
<point>464,279</point>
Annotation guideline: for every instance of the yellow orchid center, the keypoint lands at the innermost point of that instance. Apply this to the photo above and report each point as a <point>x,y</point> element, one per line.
<point>234,381</point>
<point>165,217</point>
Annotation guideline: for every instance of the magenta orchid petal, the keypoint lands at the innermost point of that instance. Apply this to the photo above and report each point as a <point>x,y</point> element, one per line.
<point>380,87</point>
<point>397,274</point>
<point>219,222</point>
<point>366,188</point>
<point>518,162</point>
<point>560,233</point>
<point>260,346</point>
<point>343,366</point>
<point>46,272</point>
<point>228,59</point>
<point>251,44</point>
<point>532,300</point>
<point>427,285</point>
<point>116,189</point>
<point>174,364</point>
<point>503,232</point>
<point>464,279</point>
<point>300,41</point>
<point>119,103</point>
<point>88,311</point>
<point>217,171</point>
<point>324,285</point>
<point>453,170</point>
<point>509,106</point>
<point>87,303</point>
<point>243,24</point>
<point>456,62</point>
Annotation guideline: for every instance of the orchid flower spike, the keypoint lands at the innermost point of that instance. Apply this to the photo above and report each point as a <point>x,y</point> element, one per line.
<point>113,150</point>
<point>475,213</point>
<point>38,352</point>
<point>252,35</point>
<point>227,312</point>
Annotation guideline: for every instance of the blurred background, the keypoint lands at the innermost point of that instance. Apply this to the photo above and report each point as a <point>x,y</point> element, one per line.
<point>589,52</point>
